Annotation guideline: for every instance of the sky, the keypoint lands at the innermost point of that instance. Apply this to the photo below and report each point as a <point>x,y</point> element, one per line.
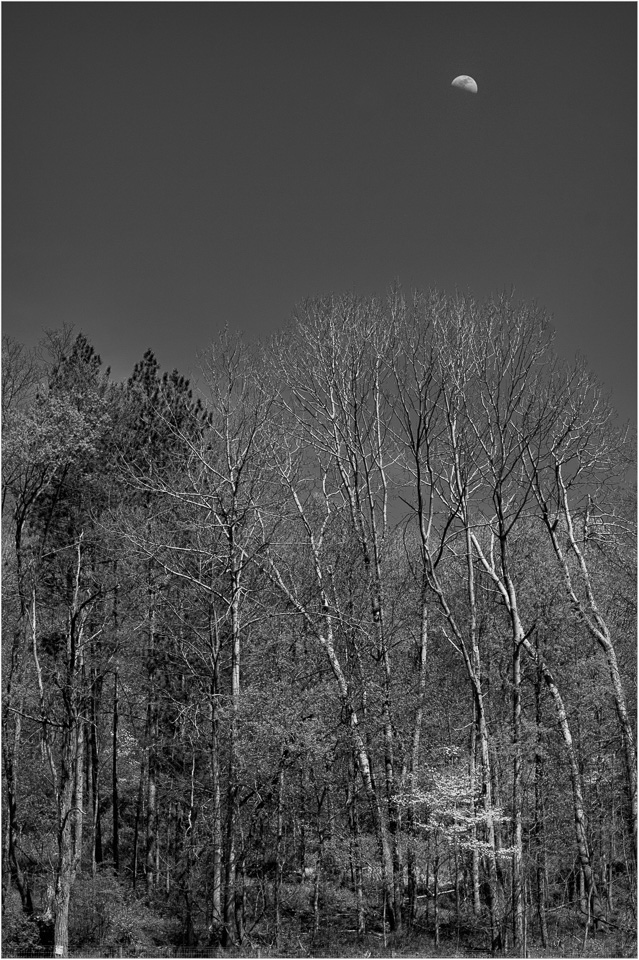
<point>172,168</point>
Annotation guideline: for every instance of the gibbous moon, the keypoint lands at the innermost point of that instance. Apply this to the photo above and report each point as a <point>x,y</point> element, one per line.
<point>465,83</point>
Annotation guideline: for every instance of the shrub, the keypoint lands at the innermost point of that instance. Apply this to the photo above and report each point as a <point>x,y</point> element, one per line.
<point>103,912</point>
<point>20,933</point>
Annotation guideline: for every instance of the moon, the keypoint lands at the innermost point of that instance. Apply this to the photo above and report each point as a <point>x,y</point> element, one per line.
<point>465,83</point>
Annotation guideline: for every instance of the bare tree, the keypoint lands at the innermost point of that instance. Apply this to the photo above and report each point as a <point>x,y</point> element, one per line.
<point>445,462</point>
<point>331,369</point>
<point>587,453</point>
<point>63,734</point>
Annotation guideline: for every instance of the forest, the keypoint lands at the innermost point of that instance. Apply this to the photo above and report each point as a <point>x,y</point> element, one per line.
<point>330,652</point>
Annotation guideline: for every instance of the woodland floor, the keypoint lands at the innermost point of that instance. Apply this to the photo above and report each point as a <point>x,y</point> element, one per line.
<point>604,945</point>
<point>463,936</point>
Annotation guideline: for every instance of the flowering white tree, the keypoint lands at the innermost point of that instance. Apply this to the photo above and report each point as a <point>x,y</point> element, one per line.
<point>448,810</point>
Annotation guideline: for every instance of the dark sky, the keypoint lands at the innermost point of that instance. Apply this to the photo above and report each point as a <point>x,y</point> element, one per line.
<point>172,167</point>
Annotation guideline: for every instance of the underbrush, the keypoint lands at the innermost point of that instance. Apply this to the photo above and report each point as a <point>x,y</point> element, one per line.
<point>106,922</point>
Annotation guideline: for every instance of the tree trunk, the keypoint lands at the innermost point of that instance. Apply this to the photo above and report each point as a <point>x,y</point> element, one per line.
<point>114,777</point>
<point>473,666</point>
<point>240,892</point>
<point>170,848</point>
<point>10,862</point>
<point>69,782</point>
<point>415,758</point>
<point>495,893</point>
<point>139,816</point>
<point>115,800</point>
<point>78,795</point>
<point>575,779</point>
<point>517,891</point>
<point>316,893</point>
<point>96,694</point>
<point>389,769</point>
<point>12,707</point>
<point>355,854</point>
<point>539,829</point>
<point>475,852</point>
<point>232,791</point>
<point>69,832</point>
<point>151,747</point>
<point>277,886</point>
<point>151,805</point>
<point>436,897</point>
<point>214,772</point>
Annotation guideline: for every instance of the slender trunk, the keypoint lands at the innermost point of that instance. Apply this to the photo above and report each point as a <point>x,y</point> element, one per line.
<point>179,832</point>
<point>389,768</point>
<point>411,868</point>
<point>115,800</point>
<point>216,823</point>
<point>495,893</point>
<point>316,893</point>
<point>170,846</point>
<point>457,890</point>
<point>355,854</point>
<point>526,905</point>
<point>12,706</point>
<point>11,737</point>
<point>151,749</point>
<point>277,890</point>
<point>229,866</point>
<point>96,693</point>
<point>302,848</point>
<point>240,891</point>
<point>539,828</point>
<point>11,866</point>
<point>139,816</point>
<point>415,759</point>
<point>473,664</point>
<point>575,779</point>
<point>214,771</point>
<point>436,897</point>
<point>188,846</point>
<point>374,577</point>
<point>609,865</point>
<point>232,798</point>
<point>78,795</point>
<point>475,852</point>
<point>157,844</point>
<point>517,892</point>
<point>70,781</point>
<point>114,777</point>
<point>151,807</point>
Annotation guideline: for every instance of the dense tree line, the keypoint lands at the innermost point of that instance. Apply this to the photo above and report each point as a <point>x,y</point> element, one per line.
<point>340,644</point>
